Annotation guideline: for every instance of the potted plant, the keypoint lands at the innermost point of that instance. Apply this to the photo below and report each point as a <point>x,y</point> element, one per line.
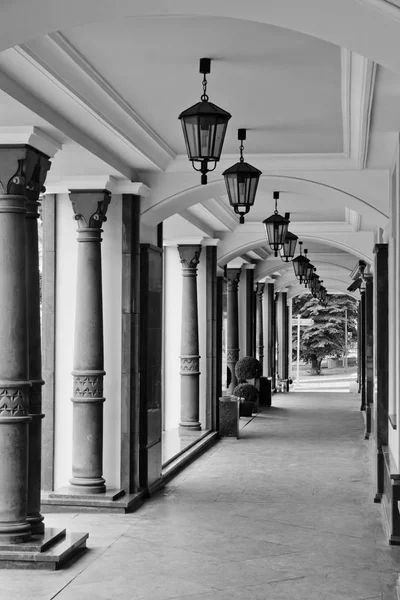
<point>248,395</point>
<point>249,368</point>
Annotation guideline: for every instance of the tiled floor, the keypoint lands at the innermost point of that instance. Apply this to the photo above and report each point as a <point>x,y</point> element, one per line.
<point>284,513</point>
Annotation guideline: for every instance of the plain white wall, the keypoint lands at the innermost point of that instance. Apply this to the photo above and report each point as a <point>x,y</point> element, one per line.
<point>65,317</point>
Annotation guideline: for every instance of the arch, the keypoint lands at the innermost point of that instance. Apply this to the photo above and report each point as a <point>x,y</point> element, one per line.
<point>333,286</point>
<point>362,244</point>
<point>159,207</point>
<point>369,27</point>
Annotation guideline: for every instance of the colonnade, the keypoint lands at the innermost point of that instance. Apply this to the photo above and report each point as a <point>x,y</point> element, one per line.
<point>270,315</point>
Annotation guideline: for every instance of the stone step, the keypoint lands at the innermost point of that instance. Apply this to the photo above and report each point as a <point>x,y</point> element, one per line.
<point>50,551</point>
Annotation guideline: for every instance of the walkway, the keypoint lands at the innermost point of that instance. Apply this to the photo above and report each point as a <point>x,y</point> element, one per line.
<point>285,513</point>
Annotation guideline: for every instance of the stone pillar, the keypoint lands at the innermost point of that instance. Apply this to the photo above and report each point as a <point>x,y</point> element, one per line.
<point>282,334</point>
<point>247,311</point>
<point>219,345</point>
<point>381,363</point>
<point>369,355</point>
<point>90,209</point>
<point>150,357</point>
<point>269,328</point>
<point>130,355</point>
<point>232,325</point>
<point>34,343</point>
<point>190,359</point>
<point>22,173</point>
<point>260,324</point>
<point>362,352</point>
<point>213,390</point>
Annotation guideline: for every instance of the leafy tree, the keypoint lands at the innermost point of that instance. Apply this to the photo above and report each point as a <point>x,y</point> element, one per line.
<point>326,336</point>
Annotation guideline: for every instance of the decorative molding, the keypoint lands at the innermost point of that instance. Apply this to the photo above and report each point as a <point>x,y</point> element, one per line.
<point>97,182</point>
<point>43,54</point>
<point>190,365</point>
<point>23,171</point>
<point>189,257</point>
<point>353,218</point>
<point>232,355</point>
<point>368,75</point>
<point>31,136</point>
<point>346,99</point>
<point>322,161</point>
<point>14,401</point>
<point>88,386</point>
<point>90,207</point>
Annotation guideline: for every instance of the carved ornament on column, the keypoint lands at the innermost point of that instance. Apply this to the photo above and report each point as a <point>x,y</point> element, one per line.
<point>90,207</point>
<point>14,401</point>
<point>88,386</point>
<point>232,355</point>
<point>260,290</point>
<point>190,365</point>
<point>232,277</point>
<point>189,256</point>
<point>23,171</point>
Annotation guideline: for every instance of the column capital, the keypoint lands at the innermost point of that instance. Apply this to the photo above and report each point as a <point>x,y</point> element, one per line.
<point>189,255</point>
<point>232,278</point>
<point>23,171</point>
<point>260,289</point>
<point>90,207</point>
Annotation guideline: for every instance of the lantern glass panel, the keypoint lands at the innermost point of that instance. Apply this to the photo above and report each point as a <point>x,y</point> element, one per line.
<point>289,247</point>
<point>300,264</point>
<point>276,231</point>
<point>204,136</point>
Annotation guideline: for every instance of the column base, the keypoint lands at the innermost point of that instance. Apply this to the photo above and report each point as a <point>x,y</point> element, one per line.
<point>190,425</point>
<point>15,533</point>
<point>37,523</point>
<point>50,551</point>
<point>113,500</point>
<point>86,486</point>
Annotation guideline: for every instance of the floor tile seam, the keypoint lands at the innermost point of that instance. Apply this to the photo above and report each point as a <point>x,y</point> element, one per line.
<point>106,548</point>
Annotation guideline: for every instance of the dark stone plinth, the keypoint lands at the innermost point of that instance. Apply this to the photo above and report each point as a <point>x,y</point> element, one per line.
<point>228,417</point>
<point>265,391</point>
<point>113,500</point>
<point>246,409</point>
<point>48,551</point>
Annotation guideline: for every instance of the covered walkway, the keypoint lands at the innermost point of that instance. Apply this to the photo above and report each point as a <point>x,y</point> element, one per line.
<point>286,512</point>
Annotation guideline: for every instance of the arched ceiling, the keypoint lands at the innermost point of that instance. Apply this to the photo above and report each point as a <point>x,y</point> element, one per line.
<point>316,84</point>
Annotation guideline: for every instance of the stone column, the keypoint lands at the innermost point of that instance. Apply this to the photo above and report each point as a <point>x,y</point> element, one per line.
<point>232,325</point>
<point>90,209</point>
<point>269,326</point>
<point>22,172</point>
<point>246,308</point>
<point>260,324</point>
<point>190,359</point>
<point>362,352</point>
<point>369,355</point>
<point>282,334</point>
<point>213,391</point>
<point>34,342</point>
<point>381,363</point>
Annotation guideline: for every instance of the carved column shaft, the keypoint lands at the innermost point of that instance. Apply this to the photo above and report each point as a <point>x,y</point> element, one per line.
<point>14,378</point>
<point>87,447</point>
<point>232,326</point>
<point>190,359</point>
<point>260,323</point>
<point>22,173</point>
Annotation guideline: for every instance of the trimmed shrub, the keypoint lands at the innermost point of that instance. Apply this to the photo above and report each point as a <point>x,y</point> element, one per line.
<point>248,367</point>
<point>247,391</point>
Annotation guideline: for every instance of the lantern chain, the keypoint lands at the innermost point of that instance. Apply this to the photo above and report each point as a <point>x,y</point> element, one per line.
<point>204,97</point>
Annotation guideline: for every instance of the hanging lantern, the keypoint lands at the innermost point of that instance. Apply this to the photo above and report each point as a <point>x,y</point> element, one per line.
<point>241,182</point>
<point>300,264</point>
<point>309,270</point>
<point>276,228</point>
<point>204,127</point>
<point>289,245</point>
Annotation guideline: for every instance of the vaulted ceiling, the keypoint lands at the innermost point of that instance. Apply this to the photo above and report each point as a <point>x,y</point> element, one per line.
<point>105,82</point>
